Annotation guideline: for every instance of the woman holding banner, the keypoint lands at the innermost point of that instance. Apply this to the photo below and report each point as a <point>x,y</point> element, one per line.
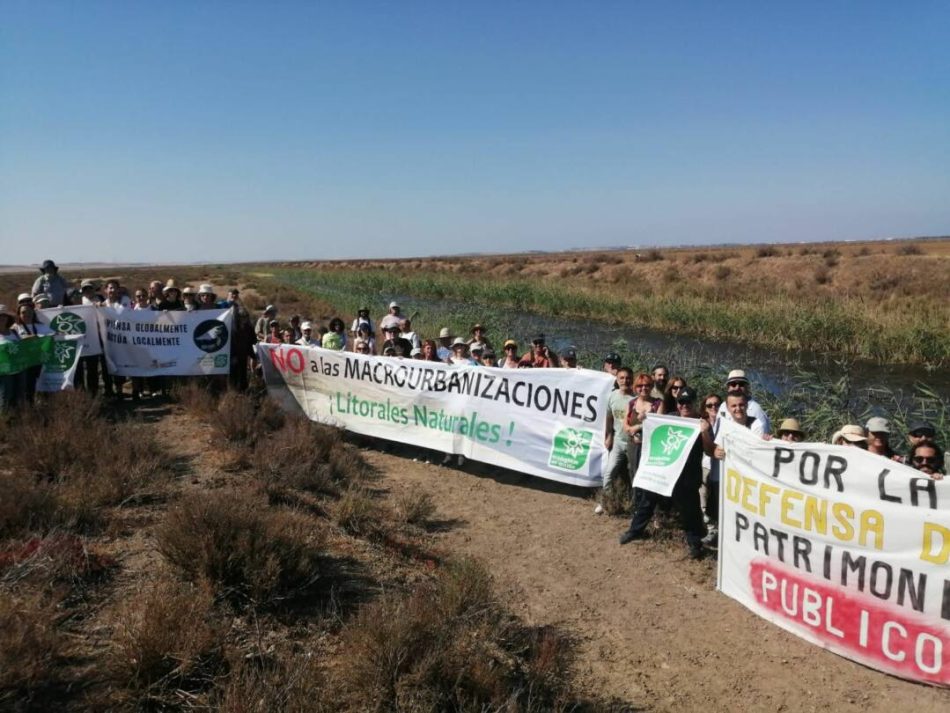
<point>11,385</point>
<point>28,327</point>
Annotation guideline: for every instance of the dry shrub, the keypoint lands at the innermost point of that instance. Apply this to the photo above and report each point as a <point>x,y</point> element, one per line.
<point>360,514</point>
<point>195,398</point>
<point>722,272</point>
<point>31,647</point>
<point>617,498</point>
<point>449,645</point>
<point>649,256</point>
<point>822,275</point>
<point>250,553</point>
<point>167,639</point>
<point>306,456</point>
<point>909,249</point>
<point>415,508</point>
<point>235,419</point>
<point>78,465</point>
<point>289,682</point>
<point>767,251</point>
<point>61,565</point>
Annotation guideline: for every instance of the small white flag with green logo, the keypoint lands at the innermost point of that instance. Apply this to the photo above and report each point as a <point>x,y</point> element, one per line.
<point>59,367</point>
<point>667,442</point>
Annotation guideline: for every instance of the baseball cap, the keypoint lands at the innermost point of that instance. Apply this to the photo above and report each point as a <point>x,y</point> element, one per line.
<point>306,325</point>
<point>510,343</point>
<point>538,338</point>
<point>612,358</point>
<point>922,428</point>
<point>393,304</point>
<point>878,425</point>
<point>569,354</point>
<point>686,396</point>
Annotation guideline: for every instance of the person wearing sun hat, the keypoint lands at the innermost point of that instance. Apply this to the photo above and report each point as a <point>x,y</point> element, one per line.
<point>188,298</point>
<point>460,353</point>
<point>51,283</point>
<point>480,336</point>
<point>510,359</point>
<point>444,348</point>
<point>850,435</point>
<point>790,430</point>
<point>207,299</point>
<point>738,383</point>
<point>171,298</point>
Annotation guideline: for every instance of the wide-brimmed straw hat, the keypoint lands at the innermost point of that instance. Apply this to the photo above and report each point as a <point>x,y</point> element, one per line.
<point>478,327</point>
<point>790,425</point>
<point>459,342</point>
<point>189,290</point>
<point>87,283</point>
<point>852,433</point>
<point>445,333</point>
<point>24,297</point>
<point>169,286</point>
<point>206,289</point>
<point>737,375</point>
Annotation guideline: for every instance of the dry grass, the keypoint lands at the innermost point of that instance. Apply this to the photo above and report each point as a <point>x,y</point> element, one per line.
<point>449,645</point>
<point>415,508</point>
<point>250,553</point>
<point>31,648</point>
<point>79,465</point>
<point>359,513</point>
<point>166,638</point>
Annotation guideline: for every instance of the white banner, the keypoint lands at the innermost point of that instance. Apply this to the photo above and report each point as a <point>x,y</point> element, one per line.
<point>59,369</point>
<point>546,422</point>
<point>151,343</point>
<point>667,442</point>
<point>79,320</point>
<point>841,547</point>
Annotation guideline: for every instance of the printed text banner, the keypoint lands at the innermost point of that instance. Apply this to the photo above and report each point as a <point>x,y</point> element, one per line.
<point>150,343</point>
<point>842,547</point>
<point>667,442</point>
<point>76,321</point>
<point>546,422</point>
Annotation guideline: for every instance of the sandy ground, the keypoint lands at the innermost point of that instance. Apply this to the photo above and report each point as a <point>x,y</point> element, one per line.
<point>651,627</point>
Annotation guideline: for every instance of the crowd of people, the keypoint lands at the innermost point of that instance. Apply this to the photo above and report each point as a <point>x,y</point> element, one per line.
<point>634,398</point>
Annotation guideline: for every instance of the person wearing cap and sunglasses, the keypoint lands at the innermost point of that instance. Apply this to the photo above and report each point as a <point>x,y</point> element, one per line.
<point>51,283</point>
<point>306,335</point>
<point>685,495</point>
<point>510,359</point>
<point>738,383</point>
<point>927,458</point>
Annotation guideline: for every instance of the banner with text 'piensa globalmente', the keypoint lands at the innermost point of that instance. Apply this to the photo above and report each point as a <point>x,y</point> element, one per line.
<point>841,547</point>
<point>151,343</point>
<point>546,422</point>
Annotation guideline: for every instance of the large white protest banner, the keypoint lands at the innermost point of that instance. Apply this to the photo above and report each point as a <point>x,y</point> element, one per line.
<point>841,547</point>
<point>151,343</point>
<point>667,442</point>
<point>546,422</point>
<point>59,366</point>
<point>78,320</point>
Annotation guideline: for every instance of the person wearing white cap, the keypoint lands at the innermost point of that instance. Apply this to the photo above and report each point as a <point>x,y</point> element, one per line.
<point>879,434</point>
<point>738,383</point>
<point>262,327</point>
<point>306,340</point>
<point>392,319</point>
<point>88,291</point>
<point>850,435</point>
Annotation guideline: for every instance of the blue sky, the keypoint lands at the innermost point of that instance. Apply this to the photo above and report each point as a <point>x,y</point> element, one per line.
<point>204,131</point>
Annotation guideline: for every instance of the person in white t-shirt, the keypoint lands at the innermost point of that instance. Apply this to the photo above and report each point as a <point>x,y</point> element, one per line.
<point>405,331</point>
<point>392,319</point>
<point>738,383</point>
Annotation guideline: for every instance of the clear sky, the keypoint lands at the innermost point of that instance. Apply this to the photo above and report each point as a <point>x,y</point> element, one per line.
<point>205,131</point>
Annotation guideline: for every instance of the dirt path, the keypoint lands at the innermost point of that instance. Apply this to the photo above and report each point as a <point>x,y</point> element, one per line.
<point>651,628</point>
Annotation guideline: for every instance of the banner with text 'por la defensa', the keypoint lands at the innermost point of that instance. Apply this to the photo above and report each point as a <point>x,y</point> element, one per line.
<point>841,547</point>
<point>546,422</point>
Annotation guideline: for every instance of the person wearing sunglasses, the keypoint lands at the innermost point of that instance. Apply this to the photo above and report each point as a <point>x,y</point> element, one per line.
<point>685,496</point>
<point>637,411</point>
<point>671,392</point>
<point>510,360</point>
<point>738,383</point>
<point>540,356</point>
<point>709,495</point>
<point>927,458</point>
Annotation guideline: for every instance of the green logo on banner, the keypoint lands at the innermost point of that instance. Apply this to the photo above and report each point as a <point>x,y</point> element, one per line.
<point>68,323</point>
<point>667,444</point>
<point>20,355</point>
<point>570,449</point>
<point>220,360</point>
<point>63,356</point>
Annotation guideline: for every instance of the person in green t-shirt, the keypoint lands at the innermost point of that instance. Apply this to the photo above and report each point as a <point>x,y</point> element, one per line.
<point>616,438</point>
